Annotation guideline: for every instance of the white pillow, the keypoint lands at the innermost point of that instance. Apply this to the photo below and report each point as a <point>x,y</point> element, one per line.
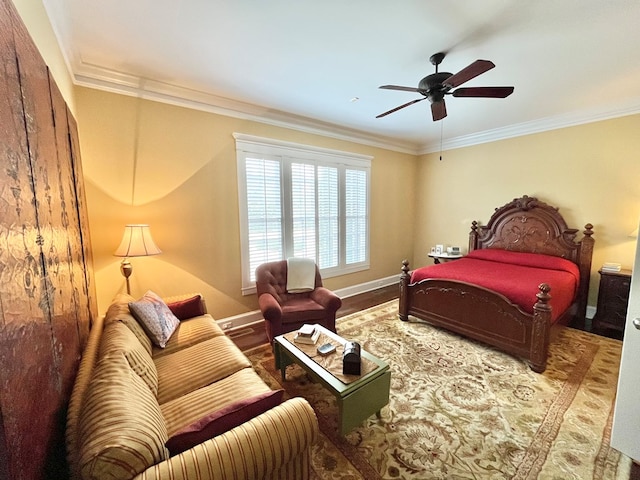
<point>155,317</point>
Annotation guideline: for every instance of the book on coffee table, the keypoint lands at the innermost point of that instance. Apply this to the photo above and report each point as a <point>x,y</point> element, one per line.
<point>307,330</point>
<point>306,335</point>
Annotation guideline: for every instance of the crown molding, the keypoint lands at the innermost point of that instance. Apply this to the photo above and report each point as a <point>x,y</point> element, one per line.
<point>93,76</point>
<point>97,77</point>
<point>537,126</point>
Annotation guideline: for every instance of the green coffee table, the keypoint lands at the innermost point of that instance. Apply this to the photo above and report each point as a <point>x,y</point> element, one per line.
<point>357,400</point>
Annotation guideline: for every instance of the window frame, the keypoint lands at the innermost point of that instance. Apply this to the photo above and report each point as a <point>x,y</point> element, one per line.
<point>287,153</point>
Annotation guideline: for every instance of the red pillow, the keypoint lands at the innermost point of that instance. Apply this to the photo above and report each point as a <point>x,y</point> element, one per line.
<point>216,423</point>
<point>189,308</point>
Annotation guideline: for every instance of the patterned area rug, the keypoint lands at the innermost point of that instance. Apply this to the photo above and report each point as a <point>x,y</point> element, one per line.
<point>461,410</point>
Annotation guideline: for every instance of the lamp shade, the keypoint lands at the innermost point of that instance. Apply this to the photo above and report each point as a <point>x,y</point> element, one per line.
<point>137,242</point>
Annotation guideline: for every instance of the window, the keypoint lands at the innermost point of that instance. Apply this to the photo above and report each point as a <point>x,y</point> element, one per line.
<point>299,201</point>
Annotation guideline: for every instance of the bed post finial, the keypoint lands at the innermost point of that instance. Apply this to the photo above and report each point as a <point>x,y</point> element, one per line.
<point>473,236</point>
<point>543,296</point>
<point>588,230</point>
<point>403,303</point>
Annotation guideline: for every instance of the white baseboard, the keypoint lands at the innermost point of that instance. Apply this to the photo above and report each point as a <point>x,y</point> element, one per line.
<point>368,286</point>
<point>254,318</point>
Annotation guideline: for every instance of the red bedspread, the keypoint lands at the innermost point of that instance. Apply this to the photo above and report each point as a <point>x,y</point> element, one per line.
<point>513,274</point>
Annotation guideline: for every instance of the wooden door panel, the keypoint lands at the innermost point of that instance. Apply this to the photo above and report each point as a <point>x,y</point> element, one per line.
<point>83,218</point>
<point>34,361</point>
<point>71,313</point>
<point>47,295</point>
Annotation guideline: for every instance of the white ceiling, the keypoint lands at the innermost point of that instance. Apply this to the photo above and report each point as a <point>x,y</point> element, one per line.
<point>299,63</point>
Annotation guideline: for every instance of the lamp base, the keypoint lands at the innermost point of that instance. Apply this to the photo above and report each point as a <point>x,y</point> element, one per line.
<point>126,269</point>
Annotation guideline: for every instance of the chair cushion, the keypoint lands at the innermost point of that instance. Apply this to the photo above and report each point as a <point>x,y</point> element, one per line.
<point>302,308</point>
<point>155,317</point>
<point>223,420</point>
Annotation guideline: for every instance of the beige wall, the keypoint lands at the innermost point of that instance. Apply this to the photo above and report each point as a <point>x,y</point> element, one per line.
<point>35,18</point>
<point>175,168</point>
<point>592,172</point>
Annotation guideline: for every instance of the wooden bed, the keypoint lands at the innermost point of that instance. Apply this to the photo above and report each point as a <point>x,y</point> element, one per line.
<point>525,224</point>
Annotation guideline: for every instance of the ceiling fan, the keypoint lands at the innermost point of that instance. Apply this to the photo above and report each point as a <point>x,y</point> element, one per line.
<point>435,86</point>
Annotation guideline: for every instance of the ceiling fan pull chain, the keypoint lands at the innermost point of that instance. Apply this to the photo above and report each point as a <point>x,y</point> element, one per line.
<point>441,129</point>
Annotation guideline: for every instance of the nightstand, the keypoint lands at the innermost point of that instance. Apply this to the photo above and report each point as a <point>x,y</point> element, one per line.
<point>443,257</point>
<point>613,297</point>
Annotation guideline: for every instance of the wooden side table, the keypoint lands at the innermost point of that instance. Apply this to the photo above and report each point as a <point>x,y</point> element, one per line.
<point>613,297</point>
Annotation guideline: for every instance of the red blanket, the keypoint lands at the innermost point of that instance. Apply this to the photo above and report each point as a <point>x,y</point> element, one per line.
<point>513,274</point>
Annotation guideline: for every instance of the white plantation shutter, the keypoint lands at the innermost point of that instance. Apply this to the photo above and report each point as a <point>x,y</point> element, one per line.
<point>301,201</point>
<point>328,218</point>
<point>356,217</point>
<point>303,208</point>
<point>264,212</point>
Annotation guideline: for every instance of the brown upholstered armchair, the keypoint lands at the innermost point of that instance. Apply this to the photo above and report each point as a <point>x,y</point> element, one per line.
<point>283,311</point>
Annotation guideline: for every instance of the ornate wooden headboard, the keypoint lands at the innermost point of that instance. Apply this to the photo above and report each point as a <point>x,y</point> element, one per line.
<point>527,224</point>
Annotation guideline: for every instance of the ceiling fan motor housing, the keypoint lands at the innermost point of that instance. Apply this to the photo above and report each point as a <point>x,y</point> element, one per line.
<point>432,86</point>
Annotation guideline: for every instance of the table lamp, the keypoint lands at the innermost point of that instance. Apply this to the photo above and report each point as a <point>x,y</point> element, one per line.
<point>136,242</point>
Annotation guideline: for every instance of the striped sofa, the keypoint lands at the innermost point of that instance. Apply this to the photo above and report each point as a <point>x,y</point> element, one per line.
<point>130,398</point>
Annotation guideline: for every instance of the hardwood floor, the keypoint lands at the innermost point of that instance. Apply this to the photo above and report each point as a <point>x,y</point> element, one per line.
<point>250,337</point>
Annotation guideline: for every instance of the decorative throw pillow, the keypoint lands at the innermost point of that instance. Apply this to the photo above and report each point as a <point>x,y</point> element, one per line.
<point>188,308</point>
<point>155,317</point>
<point>216,423</point>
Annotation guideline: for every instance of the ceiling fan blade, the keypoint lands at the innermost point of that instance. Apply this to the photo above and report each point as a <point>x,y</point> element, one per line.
<point>401,106</point>
<point>398,87</point>
<point>476,68</point>
<point>486,92</point>
<point>438,110</point>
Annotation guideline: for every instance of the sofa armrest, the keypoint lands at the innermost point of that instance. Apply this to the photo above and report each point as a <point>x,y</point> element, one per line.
<point>80,386</point>
<point>270,308</point>
<point>275,444</point>
<point>329,300</point>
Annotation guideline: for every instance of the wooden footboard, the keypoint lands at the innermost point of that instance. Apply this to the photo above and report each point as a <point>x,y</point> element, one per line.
<point>481,314</point>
